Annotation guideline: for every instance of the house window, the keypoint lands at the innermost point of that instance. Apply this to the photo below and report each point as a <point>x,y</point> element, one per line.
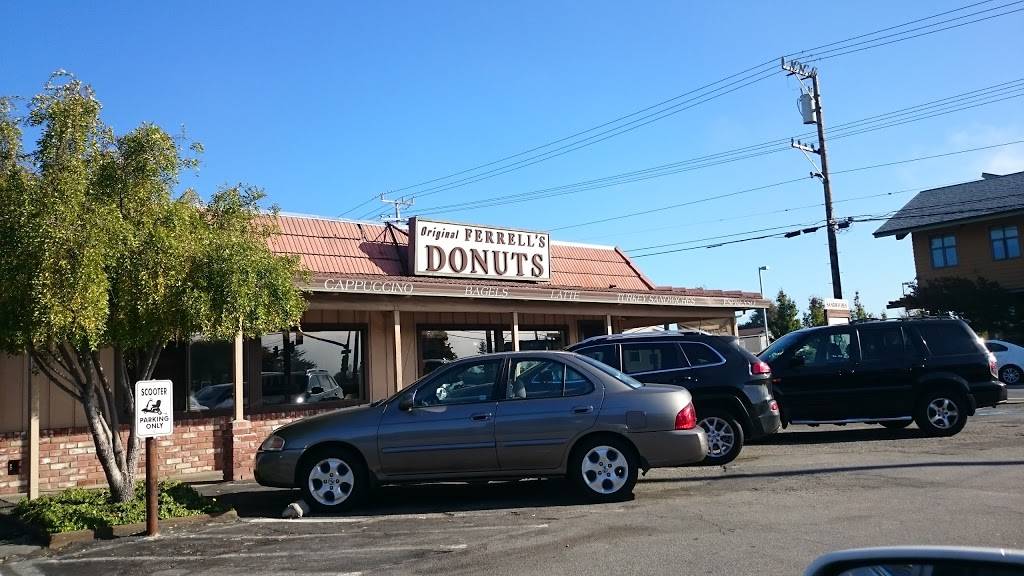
<point>313,365</point>
<point>944,251</point>
<point>1005,242</point>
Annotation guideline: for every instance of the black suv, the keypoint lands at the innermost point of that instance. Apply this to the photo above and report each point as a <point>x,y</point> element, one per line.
<point>931,371</point>
<point>729,385</point>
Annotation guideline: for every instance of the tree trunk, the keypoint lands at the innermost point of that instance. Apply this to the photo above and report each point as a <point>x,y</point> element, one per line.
<point>81,374</point>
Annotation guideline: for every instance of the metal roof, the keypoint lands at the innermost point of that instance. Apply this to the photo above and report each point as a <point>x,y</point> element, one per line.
<point>992,195</point>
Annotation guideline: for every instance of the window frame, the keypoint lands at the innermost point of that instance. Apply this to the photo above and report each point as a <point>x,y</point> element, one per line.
<point>992,241</point>
<point>510,371</point>
<point>932,250</point>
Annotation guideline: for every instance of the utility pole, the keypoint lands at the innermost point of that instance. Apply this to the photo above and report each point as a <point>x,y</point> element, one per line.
<point>398,204</point>
<point>812,113</point>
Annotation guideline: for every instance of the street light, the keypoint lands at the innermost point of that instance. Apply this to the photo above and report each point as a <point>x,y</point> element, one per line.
<point>764,312</point>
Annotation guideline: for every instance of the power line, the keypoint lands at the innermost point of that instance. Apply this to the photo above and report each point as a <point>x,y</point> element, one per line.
<point>758,188</point>
<point>748,73</point>
<point>957,103</point>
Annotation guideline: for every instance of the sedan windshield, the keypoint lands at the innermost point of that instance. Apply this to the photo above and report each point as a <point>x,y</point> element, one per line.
<point>618,375</point>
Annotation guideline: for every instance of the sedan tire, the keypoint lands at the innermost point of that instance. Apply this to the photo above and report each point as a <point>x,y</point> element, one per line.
<point>1010,374</point>
<point>725,437</point>
<point>333,479</point>
<point>604,469</point>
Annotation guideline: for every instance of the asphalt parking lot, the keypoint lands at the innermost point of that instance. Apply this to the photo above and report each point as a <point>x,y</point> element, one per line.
<point>802,493</point>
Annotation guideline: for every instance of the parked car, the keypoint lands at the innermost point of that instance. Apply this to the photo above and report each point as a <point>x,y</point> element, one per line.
<point>730,386</point>
<point>499,416</point>
<point>1009,360</point>
<point>934,372</point>
<point>313,385</point>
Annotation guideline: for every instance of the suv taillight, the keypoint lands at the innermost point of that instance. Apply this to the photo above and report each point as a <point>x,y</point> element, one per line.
<point>687,418</point>
<point>759,367</point>
<point>993,366</point>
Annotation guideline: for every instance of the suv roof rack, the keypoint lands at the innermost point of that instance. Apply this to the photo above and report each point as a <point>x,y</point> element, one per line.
<point>902,319</point>
<point>657,334</point>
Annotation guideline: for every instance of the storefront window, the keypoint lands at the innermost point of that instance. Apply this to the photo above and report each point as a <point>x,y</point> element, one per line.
<point>541,339</point>
<point>211,383</point>
<point>438,347</point>
<point>300,367</point>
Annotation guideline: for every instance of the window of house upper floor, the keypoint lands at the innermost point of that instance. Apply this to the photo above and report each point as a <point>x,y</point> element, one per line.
<point>1005,242</point>
<point>944,251</point>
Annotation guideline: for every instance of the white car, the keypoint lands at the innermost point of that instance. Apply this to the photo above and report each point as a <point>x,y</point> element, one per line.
<point>1010,359</point>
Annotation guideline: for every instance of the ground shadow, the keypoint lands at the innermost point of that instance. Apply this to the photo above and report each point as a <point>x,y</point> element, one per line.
<point>423,498</point>
<point>839,470</point>
<point>807,436</point>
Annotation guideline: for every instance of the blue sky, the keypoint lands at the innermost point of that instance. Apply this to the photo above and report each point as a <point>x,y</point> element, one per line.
<point>328,103</point>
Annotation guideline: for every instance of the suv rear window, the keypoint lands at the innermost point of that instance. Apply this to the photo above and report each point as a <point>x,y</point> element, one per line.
<point>653,357</point>
<point>701,354</point>
<point>948,338</point>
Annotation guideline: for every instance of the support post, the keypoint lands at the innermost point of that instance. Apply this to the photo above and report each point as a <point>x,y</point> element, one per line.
<point>33,431</point>
<point>833,249</point>
<point>397,322</point>
<point>152,504</point>
<point>239,377</point>
<point>608,324</point>
<point>515,331</point>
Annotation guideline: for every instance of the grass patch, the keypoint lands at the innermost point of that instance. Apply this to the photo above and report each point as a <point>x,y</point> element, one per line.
<point>81,509</point>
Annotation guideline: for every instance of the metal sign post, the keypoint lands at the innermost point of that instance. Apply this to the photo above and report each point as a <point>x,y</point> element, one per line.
<point>154,417</point>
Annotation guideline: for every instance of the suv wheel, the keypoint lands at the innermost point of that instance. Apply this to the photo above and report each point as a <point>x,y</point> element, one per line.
<point>604,469</point>
<point>725,437</point>
<point>1010,374</point>
<point>941,413</point>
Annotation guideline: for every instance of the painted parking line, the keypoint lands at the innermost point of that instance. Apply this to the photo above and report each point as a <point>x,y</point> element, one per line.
<point>333,534</point>
<point>359,519</point>
<point>246,555</point>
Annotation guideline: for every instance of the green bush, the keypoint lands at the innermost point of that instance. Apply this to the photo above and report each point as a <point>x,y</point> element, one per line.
<point>79,508</point>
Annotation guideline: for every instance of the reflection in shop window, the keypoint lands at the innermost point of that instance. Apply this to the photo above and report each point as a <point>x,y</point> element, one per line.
<point>211,383</point>
<point>438,347</point>
<point>541,339</point>
<point>300,367</point>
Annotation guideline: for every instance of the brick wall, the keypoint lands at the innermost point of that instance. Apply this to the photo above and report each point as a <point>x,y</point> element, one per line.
<point>67,456</point>
<point>13,446</point>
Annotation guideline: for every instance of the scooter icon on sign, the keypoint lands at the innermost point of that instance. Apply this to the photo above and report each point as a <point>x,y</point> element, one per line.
<point>153,407</point>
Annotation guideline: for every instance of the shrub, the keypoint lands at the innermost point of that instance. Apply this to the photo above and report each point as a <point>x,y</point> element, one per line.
<point>80,509</point>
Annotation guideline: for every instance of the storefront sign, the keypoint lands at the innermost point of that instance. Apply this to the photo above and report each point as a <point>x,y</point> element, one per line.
<point>836,304</point>
<point>499,292</point>
<point>154,408</point>
<point>481,252</point>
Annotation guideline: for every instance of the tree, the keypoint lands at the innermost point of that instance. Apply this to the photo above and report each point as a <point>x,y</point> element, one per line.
<point>858,312</point>
<point>783,315</point>
<point>815,315</point>
<point>97,252</point>
<point>756,321</point>
<point>986,305</point>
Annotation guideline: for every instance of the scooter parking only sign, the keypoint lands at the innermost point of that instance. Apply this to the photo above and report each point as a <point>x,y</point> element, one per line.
<point>154,413</point>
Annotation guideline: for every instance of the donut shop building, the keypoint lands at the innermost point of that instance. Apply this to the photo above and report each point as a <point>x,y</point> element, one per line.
<point>386,305</point>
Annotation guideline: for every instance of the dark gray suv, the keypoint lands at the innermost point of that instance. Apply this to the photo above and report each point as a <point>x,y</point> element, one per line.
<point>731,388</point>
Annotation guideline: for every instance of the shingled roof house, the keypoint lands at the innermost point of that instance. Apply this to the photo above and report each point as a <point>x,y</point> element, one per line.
<point>970,230</point>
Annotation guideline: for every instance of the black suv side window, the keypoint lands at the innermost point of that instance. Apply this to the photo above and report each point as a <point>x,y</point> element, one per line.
<point>606,354</point>
<point>826,348</point>
<point>947,338</point>
<point>701,355</point>
<point>652,357</point>
<point>882,343</point>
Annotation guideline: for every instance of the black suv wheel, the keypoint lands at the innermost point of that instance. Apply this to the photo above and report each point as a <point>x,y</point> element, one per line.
<point>942,413</point>
<point>725,436</point>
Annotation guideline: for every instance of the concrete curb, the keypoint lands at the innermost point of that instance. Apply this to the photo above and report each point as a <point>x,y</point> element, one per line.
<point>62,539</point>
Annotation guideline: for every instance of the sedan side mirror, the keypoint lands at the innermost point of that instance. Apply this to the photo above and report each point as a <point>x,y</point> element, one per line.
<point>405,403</point>
<point>919,560</point>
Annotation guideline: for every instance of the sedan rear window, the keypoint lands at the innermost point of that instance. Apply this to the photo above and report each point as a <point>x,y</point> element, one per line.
<point>620,376</point>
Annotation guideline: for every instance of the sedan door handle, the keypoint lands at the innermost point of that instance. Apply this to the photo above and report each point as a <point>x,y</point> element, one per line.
<point>583,410</point>
<point>481,417</point>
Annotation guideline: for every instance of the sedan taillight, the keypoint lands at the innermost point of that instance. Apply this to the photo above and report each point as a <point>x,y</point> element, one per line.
<point>687,418</point>
<point>759,367</point>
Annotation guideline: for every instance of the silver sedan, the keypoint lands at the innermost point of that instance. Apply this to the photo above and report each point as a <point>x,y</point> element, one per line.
<point>499,416</point>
